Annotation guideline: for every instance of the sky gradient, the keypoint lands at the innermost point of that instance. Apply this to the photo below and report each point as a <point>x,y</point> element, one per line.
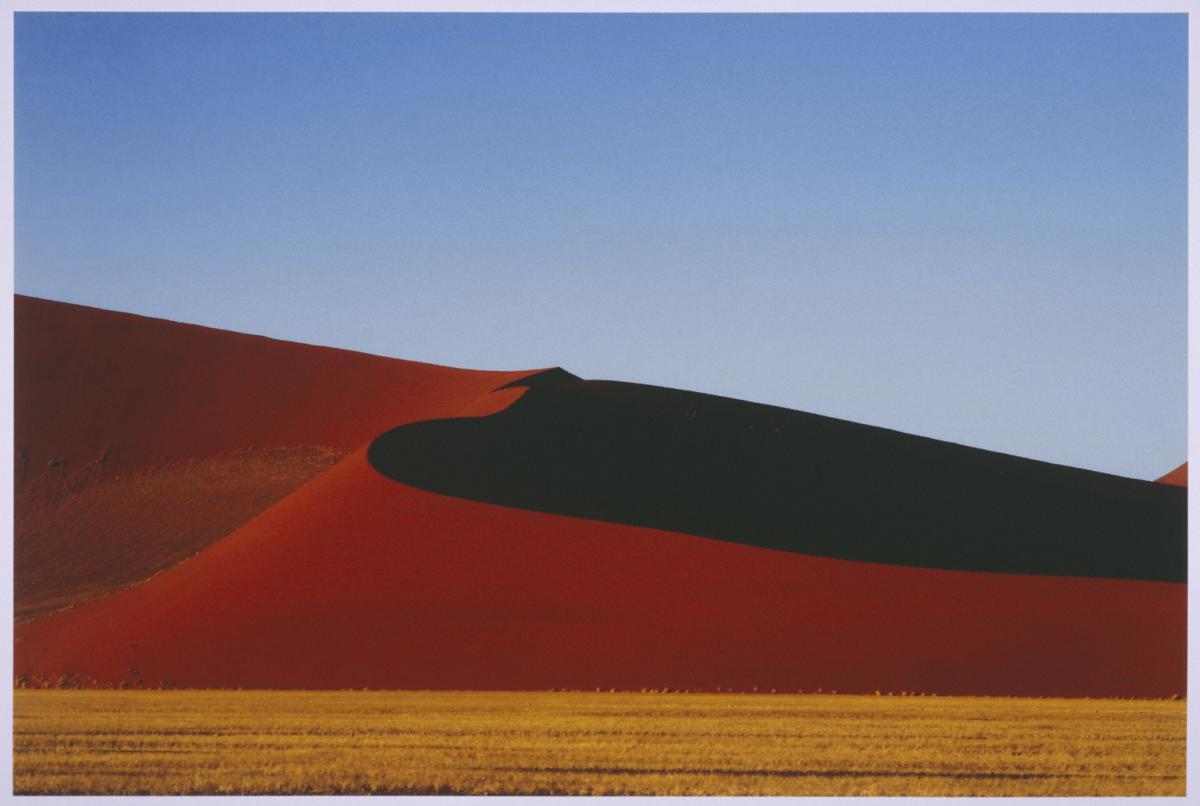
<point>970,227</point>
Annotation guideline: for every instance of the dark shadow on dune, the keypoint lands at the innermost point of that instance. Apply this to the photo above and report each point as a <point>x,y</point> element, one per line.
<point>781,479</point>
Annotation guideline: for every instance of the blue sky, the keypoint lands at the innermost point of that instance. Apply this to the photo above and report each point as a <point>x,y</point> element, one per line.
<point>971,227</point>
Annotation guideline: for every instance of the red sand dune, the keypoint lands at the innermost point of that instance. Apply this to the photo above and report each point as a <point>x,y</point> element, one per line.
<point>1178,476</point>
<point>356,581</point>
<point>139,441</point>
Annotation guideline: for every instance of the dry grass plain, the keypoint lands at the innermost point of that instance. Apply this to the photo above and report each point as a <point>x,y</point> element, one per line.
<point>248,742</point>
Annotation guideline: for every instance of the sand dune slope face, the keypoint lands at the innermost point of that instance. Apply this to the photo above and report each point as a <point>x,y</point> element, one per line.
<point>139,442</point>
<point>359,578</point>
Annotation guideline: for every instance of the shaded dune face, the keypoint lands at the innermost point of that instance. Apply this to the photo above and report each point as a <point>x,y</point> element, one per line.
<point>98,538</point>
<point>770,477</point>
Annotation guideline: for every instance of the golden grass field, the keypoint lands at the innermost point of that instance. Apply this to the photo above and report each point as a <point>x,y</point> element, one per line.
<point>253,742</point>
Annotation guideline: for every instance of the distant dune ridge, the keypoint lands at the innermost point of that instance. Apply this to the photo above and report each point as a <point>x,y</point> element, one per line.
<point>1178,476</point>
<point>221,510</point>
